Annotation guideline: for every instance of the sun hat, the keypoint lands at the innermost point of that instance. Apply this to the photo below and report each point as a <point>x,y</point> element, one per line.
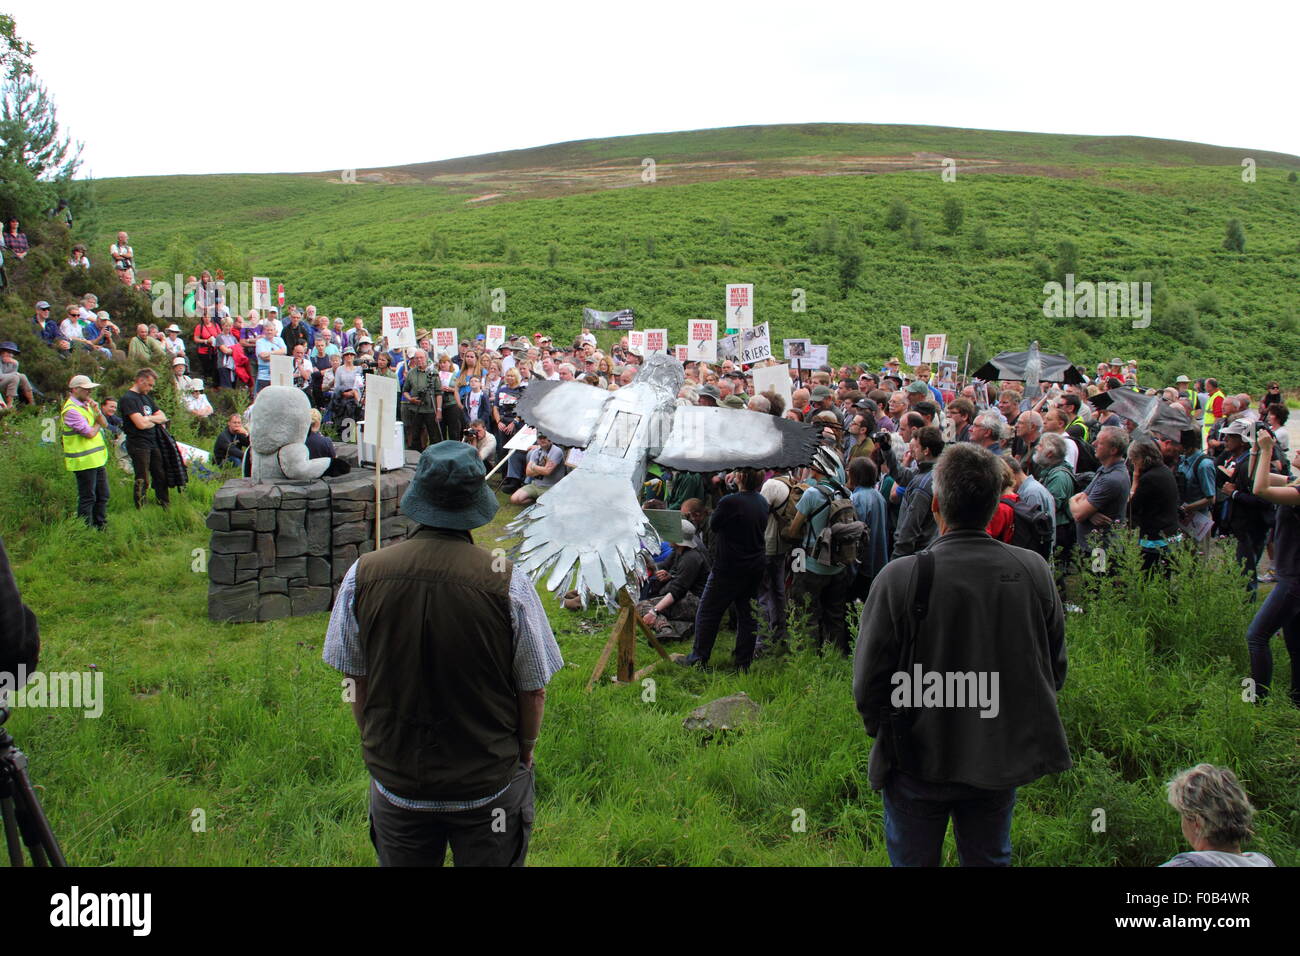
<point>173,328</point>
<point>1182,380</point>
<point>349,351</point>
<point>178,360</point>
<point>709,391</point>
<point>1241,428</point>
<point>82,381</point>
<point>733,401</point>
<point>449,490</point>
<point>10,347</point>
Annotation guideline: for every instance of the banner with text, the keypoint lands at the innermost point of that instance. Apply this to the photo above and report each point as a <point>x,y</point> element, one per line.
<point>747,346</point>
<point>621,320</point>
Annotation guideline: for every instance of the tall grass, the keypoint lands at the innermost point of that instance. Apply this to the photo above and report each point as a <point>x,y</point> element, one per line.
<point>246,724</point>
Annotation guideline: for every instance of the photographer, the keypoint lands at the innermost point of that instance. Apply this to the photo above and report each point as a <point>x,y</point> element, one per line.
<point>1281,609</point>
<point>20,638</point>
<point>420,399</point>
<point>1245,515</point>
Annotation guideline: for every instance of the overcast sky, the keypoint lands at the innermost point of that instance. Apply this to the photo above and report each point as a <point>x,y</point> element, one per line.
<point>157,87</point>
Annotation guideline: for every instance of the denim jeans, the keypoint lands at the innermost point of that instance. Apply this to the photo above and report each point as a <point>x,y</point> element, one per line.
<point>916,819</point>
<point>1280,611</point>
<point>771,597</point>
<point>733,588</point>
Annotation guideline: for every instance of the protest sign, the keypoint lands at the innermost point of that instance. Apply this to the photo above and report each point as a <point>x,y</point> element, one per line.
<point>524,439</point>
<point>636,343</point>
<point>740,306</point>
<point>775,378</point>
<point>667,522</point>
<point>261,293</point>
<point>935,348</point>
<point>682,352</point>
<point>747,346</point>
<point>398,327</point>
<point>495,337</point>
<point>818,355</point>
<point>905,333</point>
<point>620,320</point>
<point>574,458</point>
<point>444,342</point>
<point>380,424</point>
<point>795,348</point>
<point>912,354</point>
<point>656,340</point>
<point>282,370</point>
<point>703,335</point>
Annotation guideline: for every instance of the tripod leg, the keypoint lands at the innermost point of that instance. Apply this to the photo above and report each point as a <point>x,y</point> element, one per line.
<point>35,827</point>
<point>11,831</point>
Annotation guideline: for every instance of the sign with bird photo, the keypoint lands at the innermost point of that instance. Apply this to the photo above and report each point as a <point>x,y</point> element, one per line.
<point>620,320</point>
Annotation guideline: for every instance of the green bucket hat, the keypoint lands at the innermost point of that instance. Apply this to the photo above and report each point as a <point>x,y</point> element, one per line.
<point>449,490</point>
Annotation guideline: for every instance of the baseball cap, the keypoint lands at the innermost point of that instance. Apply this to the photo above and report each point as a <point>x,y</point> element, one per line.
<point>820,392</point>
<point>688,535</point>
<point>178,361</point>
<point>829,418</point>
<point>918,388</point>
<point>42,304</point>
<point>82,381</point>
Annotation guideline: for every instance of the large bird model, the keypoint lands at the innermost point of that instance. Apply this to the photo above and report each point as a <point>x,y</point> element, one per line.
<point>589,532</point>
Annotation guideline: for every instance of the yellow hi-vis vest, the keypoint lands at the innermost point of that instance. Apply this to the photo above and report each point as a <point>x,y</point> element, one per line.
<point>1210,418</point>
<point>80,452</point>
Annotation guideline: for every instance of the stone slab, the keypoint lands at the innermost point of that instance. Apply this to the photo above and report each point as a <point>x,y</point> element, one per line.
<point>232,542</point>
<point>274,606</point>
<point>238,603</point>
<point>311,600</point>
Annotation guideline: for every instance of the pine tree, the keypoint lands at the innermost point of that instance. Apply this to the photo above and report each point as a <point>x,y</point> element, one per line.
<point>896,217</point>
<point>1235,240</point>
<point>953,214</point>
<point>36,163</point>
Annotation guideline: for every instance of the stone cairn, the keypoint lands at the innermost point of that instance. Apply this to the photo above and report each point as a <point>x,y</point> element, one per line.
<point>281,549</point>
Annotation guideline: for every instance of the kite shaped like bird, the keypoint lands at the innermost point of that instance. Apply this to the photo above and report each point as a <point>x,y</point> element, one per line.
<point>1031,367</point>
<point>589,528</point>
<point>1151,413</point>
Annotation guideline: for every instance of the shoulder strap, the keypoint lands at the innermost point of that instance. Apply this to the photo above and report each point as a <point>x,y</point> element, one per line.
<point>920,608</point>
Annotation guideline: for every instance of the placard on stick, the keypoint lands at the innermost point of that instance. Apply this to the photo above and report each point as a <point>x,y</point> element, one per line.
<point>399,327</point>
<point>774,378</point>
<point>703,335</point>
<point>523,439</point>
<point>261,293</point>
<point>495,337</point>
<point>936,346</point>
<point>282,370</point>
<point>636,343</point>
<point>740,306</point>
<point>444,342</point>
<point>381,408</point>
<point>668,522</point>
<point>656,340</point>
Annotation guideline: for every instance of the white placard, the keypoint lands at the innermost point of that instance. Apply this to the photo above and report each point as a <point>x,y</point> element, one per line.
<point>656,340</point>
<point>282,370</point>
<point>936,346</point>
<point>818,355</point>
<point>905,333</point>
<point>574,458</point>
<point>261,293</point>
<point>740,306</point>
<point>495,337</point>
<point>795,348</point>
<point>912,356</point>
<point>703,335</point>
<point>381,407</point>
<point>683,353</point>
<point>399,327</point>
<point>636,343</point>
<point>747,346</point>
<point>444,343</point>
<point>774,378</point>
<point>523,439</point>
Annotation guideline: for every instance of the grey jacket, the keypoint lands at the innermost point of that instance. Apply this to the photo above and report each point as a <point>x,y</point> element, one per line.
<point>993,610</point>
<point>916,525</point>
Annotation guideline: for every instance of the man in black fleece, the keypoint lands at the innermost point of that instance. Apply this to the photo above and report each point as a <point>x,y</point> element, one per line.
<point>20,639</point>
<point>968,713</point>
<point>737,524</point>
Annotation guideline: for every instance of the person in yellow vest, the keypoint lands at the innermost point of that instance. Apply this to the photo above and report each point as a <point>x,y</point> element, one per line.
<point>85,452</point>
<point>1213,408</point>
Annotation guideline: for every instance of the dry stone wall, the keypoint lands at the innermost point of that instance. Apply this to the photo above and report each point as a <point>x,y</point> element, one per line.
<point>280,549</point>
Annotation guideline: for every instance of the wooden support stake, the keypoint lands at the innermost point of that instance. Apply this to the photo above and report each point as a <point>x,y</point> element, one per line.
<point>377,439</point>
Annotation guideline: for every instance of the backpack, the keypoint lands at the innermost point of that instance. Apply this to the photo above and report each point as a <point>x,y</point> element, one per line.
<point>1087,460</point>
<point>784,513</point>
<point>843,542</point>
<point>1032,528</point>
<point>1082,479</point>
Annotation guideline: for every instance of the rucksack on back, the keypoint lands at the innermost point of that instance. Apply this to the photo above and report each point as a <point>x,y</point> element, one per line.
<point>784,513</point>
<point>843,542</point>
<point>1032,527</point>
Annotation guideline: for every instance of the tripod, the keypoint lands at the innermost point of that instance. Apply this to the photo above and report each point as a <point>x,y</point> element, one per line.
<point>21,810</point>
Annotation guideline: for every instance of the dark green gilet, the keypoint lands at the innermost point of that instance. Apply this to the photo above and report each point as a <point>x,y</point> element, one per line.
<point>441,717</point>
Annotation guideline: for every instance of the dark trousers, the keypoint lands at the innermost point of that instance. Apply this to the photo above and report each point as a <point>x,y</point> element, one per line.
<point>493,835</point>
<point>771,597</point>
<point>453,420</point>
<point>225,378</point>
<point>413,420</point>
<point>916,819</point>
<point>92,496</point>
<point>730,589</point>
<point>1280,611</point>
<point>1250,546</point>
<point>827,596</point>
<point>147,462</point>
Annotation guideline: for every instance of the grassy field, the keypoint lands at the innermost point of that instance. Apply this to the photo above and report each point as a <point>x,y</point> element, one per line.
<point>246,723</point>
<point>1132,210</point>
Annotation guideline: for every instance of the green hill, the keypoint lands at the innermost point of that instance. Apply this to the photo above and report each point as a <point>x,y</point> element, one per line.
<point>786,207</point>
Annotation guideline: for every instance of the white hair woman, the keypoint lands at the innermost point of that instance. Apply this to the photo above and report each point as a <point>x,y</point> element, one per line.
<point>1216,816</point>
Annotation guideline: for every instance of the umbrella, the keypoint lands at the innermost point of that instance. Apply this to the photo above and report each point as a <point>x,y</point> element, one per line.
<point>1150,412</point>
<point>1031,367</point>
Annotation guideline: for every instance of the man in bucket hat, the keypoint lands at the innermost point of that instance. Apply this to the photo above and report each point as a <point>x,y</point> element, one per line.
<point>449,652</point>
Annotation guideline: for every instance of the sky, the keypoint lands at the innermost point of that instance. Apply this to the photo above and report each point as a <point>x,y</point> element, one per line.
<point>155,88</point>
